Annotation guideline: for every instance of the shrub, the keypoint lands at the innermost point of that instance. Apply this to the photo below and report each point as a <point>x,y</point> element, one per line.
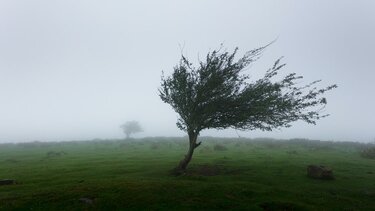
<point>292,152</point>
<point>205,149</point>
<point>368,153</point>
<point>155,146</point>
<point>219,147</point>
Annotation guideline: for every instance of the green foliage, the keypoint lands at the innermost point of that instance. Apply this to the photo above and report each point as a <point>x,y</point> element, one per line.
<point>217,94</point>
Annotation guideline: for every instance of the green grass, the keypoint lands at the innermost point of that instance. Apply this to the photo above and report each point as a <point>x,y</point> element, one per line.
<point>253,174</point>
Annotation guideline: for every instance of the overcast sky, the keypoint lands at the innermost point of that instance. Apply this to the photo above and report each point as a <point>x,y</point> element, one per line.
<point>77,69</point>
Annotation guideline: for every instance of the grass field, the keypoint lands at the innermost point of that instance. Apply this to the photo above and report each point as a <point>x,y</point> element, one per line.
<point>239,174</point>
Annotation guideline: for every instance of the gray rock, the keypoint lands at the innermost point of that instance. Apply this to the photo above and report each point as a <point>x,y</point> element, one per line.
<point>319,172</point>
<point>86,201</point>
<point>7,182</point>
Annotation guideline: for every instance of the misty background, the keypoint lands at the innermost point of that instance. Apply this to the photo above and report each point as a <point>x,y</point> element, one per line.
<point>72,70</point>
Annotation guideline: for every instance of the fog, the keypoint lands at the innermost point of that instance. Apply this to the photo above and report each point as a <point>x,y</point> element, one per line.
<point>73,70</point>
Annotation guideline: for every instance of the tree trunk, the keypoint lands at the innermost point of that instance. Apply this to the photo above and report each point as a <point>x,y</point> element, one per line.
<point>180,169</point>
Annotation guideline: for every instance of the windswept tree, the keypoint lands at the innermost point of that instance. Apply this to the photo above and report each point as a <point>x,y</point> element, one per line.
<point>217,94</point>
<point>131,127</point>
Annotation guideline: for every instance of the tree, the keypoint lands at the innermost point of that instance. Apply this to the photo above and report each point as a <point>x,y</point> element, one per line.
<point>217,94</point>
<point>131,127</point>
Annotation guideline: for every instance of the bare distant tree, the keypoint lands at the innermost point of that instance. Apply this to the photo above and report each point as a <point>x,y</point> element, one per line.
<point>131,127</point>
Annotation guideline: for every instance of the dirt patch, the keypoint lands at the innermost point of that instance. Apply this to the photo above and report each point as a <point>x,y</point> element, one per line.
<point>205,170</point>
<point>214,170</point>
<point>275,205</point>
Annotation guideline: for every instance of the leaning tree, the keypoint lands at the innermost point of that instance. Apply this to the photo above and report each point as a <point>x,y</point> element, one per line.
<point>217,94</point>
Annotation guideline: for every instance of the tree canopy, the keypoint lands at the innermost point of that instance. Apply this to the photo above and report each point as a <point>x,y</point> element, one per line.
<point>131,127</point>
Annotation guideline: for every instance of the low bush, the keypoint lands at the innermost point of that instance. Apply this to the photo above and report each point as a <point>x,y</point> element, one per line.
<point>155,146</point>
<point>368,153</point>
<point>219,147</point>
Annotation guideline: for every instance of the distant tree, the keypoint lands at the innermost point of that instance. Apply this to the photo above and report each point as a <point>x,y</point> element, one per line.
<point>216,94</point>
<point>131,127</point>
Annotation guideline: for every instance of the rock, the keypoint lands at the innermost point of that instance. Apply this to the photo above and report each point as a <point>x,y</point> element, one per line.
<point>7,182</point>
<point>320,172</point>
<point>86,200</point>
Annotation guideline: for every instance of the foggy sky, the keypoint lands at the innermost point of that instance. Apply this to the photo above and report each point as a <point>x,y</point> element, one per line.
<point>77,69</point>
